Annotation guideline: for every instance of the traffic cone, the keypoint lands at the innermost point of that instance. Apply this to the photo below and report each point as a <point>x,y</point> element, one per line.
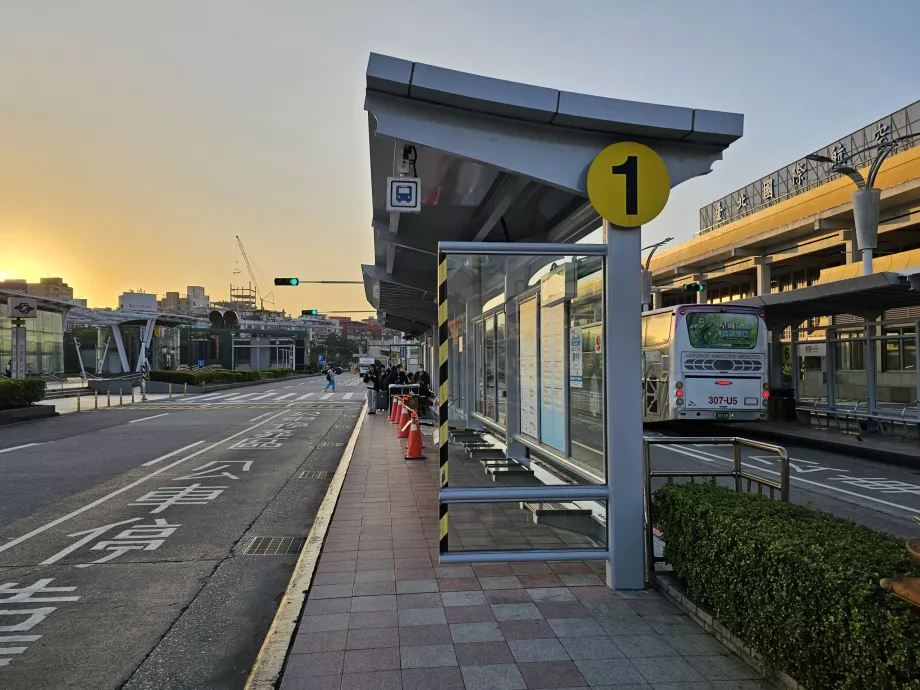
<point>394,409</point>
<point>414,447</point>
<point>402,428</point>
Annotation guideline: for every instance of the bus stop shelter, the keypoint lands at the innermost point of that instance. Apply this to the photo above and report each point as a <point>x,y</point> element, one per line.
<point>502,201</point>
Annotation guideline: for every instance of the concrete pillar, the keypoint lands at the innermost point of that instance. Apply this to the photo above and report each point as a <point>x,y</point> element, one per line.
<point>762,264</point>
<point>872,367</point>
<point>657,300</point>
<point>851,251</point>
<point>702,297</point>
<point>776,356</point>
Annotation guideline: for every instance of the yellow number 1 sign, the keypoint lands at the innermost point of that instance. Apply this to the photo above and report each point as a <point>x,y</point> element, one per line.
<point>628,184</point>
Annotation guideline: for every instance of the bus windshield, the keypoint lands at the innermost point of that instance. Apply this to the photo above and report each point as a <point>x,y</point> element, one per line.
<point>722,330</point>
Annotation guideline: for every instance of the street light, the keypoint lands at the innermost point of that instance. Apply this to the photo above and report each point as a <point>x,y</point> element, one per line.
<point>867,197</point>
<point>647,276</point>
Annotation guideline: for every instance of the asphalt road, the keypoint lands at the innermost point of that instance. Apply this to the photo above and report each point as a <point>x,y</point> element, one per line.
<point>123,532</point>
<point>876,494</point>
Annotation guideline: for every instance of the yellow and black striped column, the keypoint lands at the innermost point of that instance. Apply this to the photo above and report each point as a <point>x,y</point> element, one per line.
<point>443,349</point>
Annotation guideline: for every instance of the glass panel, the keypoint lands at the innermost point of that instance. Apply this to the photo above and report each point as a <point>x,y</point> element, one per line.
<point>710,330</point>
<point>500,336</point>
<point>850,377</point>
<point>490,410</point>
<point>656,329</point>
<point>896,376</point>
<point>527,525</point>
<point>586,370</point>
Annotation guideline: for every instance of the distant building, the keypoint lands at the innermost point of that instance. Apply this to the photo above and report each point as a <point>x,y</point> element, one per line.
<point>194,303</point>
<point>78,302</point>
<point>52,288</point>
<point>137,301</point>
<point>317,326</point>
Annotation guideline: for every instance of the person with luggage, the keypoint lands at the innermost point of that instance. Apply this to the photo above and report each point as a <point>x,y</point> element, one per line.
<point>373,385</point>
<point>330,379</point>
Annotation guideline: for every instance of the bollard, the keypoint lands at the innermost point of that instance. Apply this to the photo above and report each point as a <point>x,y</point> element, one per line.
<point>132,394</point>
<point>170,390</point>
<point>96,400</point>
<point>121,397</point>
<point>185,391</point>
<point>108,398</point>
<point>78,402</point>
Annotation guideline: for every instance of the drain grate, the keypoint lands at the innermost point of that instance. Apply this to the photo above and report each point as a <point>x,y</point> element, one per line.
<point>312,474</point>
<point>274,546</point>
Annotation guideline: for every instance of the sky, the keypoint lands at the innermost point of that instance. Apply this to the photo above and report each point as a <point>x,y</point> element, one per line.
<point>137,139</point>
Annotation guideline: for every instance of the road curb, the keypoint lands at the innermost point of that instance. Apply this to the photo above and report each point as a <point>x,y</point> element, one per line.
<point>269,664</point>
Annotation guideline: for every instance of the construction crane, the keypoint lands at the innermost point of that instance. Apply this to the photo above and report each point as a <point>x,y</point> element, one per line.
<point>252,275</point>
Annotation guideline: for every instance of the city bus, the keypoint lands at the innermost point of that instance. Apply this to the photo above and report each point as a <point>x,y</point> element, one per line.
<point>704,362</point>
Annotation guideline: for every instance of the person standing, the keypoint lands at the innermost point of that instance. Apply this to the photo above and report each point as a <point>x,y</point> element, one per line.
<point>373,385</point>
<point>423,376</point>
<point>330,379</point>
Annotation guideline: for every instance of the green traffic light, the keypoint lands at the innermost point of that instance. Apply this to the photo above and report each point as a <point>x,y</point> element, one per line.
<point>295,281</point>
<point>694,287</point>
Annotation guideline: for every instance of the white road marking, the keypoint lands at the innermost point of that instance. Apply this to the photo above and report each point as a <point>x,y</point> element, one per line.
<point>143,419</point>
<point>266,395</point>
<point>265,414</point>
<point>796,479</point>
<point>169,455</point>
<point>240,397</point>
<point>347,396</point>
<point>27,445</point>
<point>304,397</point>
<point>215,395</point>
<point>286,395</point>
<point>99,501</point>
<point>326,397</point>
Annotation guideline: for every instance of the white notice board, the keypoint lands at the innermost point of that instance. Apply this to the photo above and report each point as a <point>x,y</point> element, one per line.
<point>553,356</point>
<point>530,396</point>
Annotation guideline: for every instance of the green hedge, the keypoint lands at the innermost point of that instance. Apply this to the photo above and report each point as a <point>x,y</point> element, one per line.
<point>798,585</point>
<point>217,376</point>
<point>20,392</point>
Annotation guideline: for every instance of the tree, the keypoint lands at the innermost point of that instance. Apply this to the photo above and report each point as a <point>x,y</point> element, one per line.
<point>337,350</point>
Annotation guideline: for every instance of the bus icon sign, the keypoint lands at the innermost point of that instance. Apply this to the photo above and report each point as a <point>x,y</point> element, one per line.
<point>404,194</point>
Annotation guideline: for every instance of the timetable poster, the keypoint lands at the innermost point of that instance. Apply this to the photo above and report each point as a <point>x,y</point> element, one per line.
<point>553,355</point>
<point>530,394</point>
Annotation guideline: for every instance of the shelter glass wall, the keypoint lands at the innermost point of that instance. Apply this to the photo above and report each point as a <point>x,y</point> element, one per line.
<point>44,342</point>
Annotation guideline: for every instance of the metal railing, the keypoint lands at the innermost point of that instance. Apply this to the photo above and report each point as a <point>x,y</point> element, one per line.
<point>737,474</point>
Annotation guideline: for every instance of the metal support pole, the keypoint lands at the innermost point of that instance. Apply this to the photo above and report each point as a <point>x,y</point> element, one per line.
<point>649,536</point>
<point>96,400</point>
<point>78,402</point>
<point>871,366</point>
<point>736,464</point>
<point>917,364</point>
<point>623,354</point>
<point>867,262</point>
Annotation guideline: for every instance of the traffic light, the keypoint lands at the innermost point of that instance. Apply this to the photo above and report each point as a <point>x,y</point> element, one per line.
<point>287,281</point>
<point>694,287</point>
<point>309,312</point>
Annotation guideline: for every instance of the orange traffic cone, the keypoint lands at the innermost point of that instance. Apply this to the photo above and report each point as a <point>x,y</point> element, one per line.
<point>414,447</point>
<point>402,427</point>
<point>397,409</point>
<point>392,407</point>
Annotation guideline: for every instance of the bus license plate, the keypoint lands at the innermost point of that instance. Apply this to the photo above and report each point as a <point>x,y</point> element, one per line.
<point>722,415</point>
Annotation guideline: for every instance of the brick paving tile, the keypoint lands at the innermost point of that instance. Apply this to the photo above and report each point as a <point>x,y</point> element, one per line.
<point>568,567</point>
<point>531,569</point>
<point>428,656</point>
<point>667,669</point>
<point>489,570</point>
<point>424,600</point>
<point>404,574</point>
<point>363,589</point>
<point>373,619</point>
<point>483,653</point>
<point>526,630</point>
<point>672,624</point>
<point>469,614</point>
<point>508,596</point>
<point>380,602</point>
<point>447,678</point>
<point>375,680</point>
<point>332,682</point>
<point>375,564</point>
<point>581,580</point>
<point>608,609</point>
<point>591,648</point>
<point>430,616</point>
<point>551,674</point>
<point>516,612</point>
<point>314,664</point>
<point>538,650</point>
<point>465,598</point>
<point>325,622</point>
<point>609,672</point>
<point>372,638</point>
<point>378,659</point>
<point>563,609</point>
<point>476,632</point>
<point>624,626</point>
<point>694,644</point>
<point>641,646</point>
<point>342,578</point>
<point>493,677</point>
<point>317,606</point>
<point>596,594</point>
<point>548,580</point>
<point>722,667</point>
<point>383,575</point>
<point>332,641</point>
<point>500,582</point>
<point>575,627</point>
<point>416,586</point>
<point>416,635</point>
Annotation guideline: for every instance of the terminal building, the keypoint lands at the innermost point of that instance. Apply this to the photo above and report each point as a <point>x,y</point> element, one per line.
<point>786,242</point>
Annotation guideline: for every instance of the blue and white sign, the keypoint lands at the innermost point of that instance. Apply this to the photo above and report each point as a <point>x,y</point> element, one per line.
<point>404,353</point>
<point>404,194</point>
<point>200,363</point>
<point>576,376</point>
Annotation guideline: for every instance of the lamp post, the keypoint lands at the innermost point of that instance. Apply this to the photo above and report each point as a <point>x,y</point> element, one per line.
<point>866,198</point>
<point>647,276</point>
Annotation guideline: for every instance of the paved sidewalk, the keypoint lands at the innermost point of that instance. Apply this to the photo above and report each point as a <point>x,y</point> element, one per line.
<point>382,614</point>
